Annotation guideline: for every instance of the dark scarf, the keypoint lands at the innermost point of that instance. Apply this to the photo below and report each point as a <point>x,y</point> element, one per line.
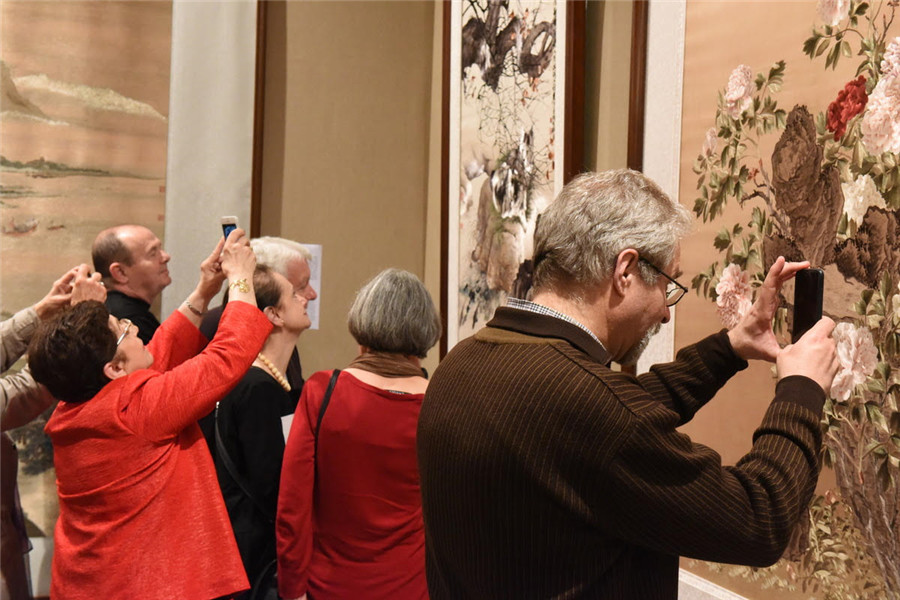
<point>387,364</point>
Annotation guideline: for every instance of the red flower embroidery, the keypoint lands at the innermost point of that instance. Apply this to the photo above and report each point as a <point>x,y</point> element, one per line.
<point>850,102</point>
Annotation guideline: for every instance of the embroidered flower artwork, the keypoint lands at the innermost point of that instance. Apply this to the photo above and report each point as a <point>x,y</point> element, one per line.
<point>735,296</point>
<point>858,357</point>
<point>833,12</point>
<point>710,142</point>
<point>828,192</point>
<point>881,123</point>
<point>850,102</point>
<point>895,301</point>
<point>890,62</point>
<point>739,93</point>
<point>859,195</point>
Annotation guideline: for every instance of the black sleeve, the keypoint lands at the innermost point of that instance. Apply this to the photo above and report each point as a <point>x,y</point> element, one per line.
<point>210,322</point>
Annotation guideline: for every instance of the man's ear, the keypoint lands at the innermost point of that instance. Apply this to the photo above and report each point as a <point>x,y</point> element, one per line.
<point>114,369</point>
<point>117,272</point>
<point>623,274</point>
<point>274,318</point>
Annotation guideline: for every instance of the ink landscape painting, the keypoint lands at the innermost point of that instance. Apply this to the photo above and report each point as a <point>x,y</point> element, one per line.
<point>84,101</point>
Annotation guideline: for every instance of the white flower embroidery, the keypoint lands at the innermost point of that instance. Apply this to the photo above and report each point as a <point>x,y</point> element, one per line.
<point>858,357</point>
<point>832,11</point>
<point>710,143</point>
<point>859,195</point>
<point>895,301</point>
<point>738,94</point>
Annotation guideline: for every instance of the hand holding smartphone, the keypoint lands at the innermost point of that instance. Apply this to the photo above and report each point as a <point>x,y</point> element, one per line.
<point>229,224</point>
<point>809,287</point>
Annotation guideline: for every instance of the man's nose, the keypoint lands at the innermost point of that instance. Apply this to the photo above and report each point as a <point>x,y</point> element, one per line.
<point>166,257</point>
<point>311,293</point>
<point>668,316</point>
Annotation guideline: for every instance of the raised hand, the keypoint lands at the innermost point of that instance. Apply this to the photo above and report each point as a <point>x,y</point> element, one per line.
<point>238,260</point>
<point>814,356</point>
<point>211,276</point>
<point>58,297</point>
<point>87,286</point>
<point>753,338</point>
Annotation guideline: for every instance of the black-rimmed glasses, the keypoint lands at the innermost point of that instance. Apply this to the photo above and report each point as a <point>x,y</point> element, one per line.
<point>674,290</point>
<point>128,325</point>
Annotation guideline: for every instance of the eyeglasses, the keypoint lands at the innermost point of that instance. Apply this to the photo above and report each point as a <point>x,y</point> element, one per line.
<point>674,290</point>
<point>122,335</point>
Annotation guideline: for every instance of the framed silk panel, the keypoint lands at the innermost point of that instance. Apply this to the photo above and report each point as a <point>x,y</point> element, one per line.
<point>84,136</point>
<point>514,91</point>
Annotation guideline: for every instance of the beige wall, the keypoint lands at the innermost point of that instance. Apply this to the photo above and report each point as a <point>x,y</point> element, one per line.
<point>346,147</point>
<point>606,80</point>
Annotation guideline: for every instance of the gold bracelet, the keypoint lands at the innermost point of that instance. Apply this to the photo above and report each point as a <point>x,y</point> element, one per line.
<point>194,310</point>
<point>240,285</point>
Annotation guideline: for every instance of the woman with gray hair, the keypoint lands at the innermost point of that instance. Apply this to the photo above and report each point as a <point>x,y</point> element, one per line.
<point>349,521</point>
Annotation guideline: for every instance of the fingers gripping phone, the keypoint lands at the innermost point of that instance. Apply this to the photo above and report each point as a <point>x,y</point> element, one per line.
<point>229,224</point>
<point>809,285</point>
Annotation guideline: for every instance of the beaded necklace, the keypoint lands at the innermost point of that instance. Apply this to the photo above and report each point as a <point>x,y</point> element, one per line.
<point>274,371</point>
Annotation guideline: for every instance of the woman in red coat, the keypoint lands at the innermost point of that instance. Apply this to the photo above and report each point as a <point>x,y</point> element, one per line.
<point>141,515</point>
<point>349,521</point>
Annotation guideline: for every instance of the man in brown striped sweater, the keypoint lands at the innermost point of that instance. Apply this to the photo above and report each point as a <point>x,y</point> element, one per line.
<point>545,474</point>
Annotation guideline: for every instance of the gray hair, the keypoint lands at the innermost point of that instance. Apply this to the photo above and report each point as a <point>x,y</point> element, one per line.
<point>276,252</point>
<point>598,215</point>
<point>394,313</point>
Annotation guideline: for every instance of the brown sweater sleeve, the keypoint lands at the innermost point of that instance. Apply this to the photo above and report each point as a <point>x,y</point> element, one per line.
<point>674,496</point>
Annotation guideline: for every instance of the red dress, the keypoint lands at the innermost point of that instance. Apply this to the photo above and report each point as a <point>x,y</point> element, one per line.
<point>141,515</point>
<point>359,533</point>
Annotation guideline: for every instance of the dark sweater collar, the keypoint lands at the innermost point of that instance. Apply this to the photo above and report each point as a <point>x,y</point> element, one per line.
<point>125,299</point>
<point>532,323</point>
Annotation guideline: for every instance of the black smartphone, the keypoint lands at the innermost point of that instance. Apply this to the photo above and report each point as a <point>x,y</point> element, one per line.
<point>229,224</point>
<point>809,285</point>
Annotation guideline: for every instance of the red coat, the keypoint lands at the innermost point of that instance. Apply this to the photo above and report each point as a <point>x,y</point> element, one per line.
<point>359,532</point>
<point>141,515</point>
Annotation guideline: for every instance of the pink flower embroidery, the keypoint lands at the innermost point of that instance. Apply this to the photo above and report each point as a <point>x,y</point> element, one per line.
<point>735,296</point>
<point>890,62</point>
<point>858,357</point>
<point>880,125</point>
<point>738,94</point>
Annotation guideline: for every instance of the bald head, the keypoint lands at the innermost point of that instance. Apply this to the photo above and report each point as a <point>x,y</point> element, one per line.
<point>130,258</point>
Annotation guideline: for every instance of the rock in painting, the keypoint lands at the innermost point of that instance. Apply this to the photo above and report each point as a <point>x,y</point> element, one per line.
<point>874,250</point>
<point>809,195</point>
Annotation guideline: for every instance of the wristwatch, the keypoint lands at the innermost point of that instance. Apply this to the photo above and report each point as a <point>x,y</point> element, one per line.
<point>240,285</point>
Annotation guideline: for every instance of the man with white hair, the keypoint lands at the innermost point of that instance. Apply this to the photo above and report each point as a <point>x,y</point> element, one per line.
<point>547,474</point>
<point>291,260</point>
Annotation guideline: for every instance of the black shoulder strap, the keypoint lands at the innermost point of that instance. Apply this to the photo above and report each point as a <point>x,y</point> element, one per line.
<point>325,400</point>
<point>233,471</point>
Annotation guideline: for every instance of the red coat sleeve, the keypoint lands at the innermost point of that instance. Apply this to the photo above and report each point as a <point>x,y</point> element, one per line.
<point>294,521</point>
<point>174,342</point>
<point>166,403</point>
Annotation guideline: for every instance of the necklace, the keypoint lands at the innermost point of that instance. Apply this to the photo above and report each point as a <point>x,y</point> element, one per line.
<point>274,371</point>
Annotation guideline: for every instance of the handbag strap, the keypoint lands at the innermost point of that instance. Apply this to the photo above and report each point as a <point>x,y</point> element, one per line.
<point>233,471</point>
<point>325,400</point>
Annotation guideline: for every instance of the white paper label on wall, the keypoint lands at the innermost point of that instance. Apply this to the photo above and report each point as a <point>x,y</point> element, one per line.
<point>315,280</point>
